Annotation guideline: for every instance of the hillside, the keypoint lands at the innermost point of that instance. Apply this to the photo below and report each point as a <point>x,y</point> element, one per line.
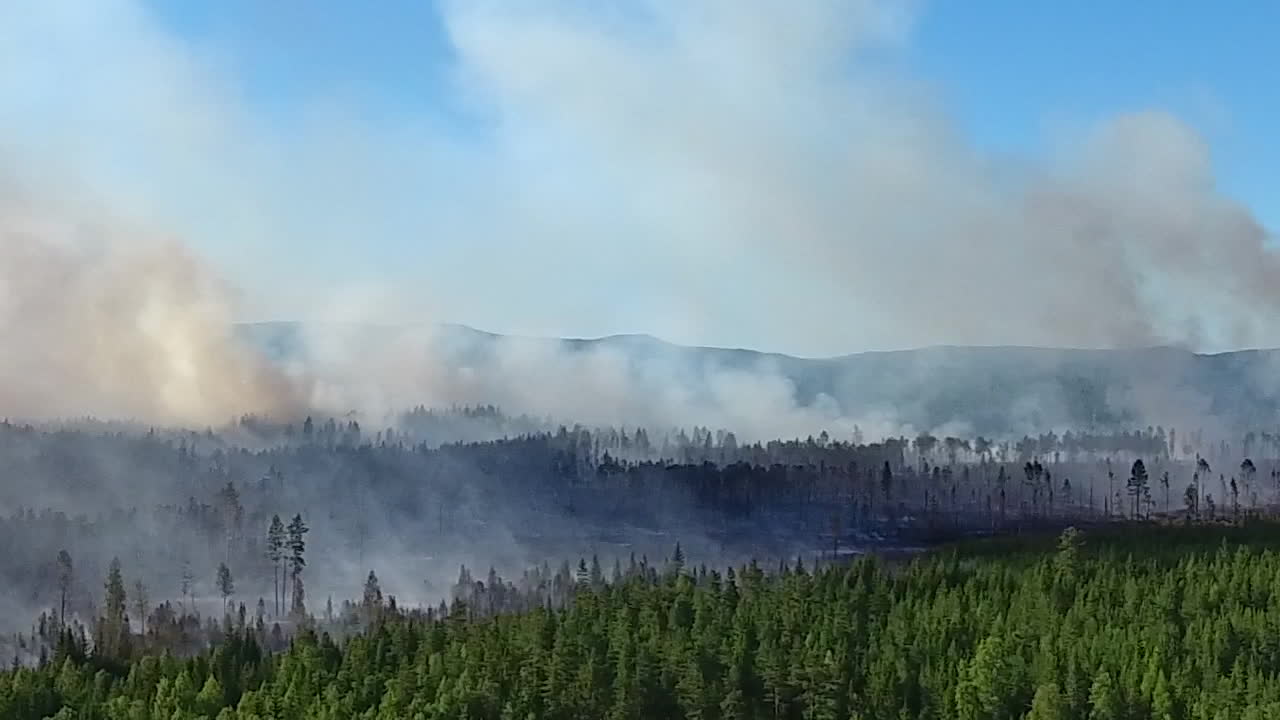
<point>979,390</point>
<point>1166,624</point>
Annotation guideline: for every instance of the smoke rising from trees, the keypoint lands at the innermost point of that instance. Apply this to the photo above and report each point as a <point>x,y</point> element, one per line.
<point>100,318</point>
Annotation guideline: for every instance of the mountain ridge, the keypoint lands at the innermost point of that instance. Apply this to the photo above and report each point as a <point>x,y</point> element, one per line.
<point>977,389</point>
<point>280,325</point>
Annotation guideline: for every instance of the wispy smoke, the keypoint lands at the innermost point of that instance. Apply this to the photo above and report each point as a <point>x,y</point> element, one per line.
<point>625,381</point>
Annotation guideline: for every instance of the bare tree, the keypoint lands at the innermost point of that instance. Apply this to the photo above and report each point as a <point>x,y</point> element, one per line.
<point>188,580</point>
<point>65,576</point>
<point>140,605</point>
<point>275,553</point>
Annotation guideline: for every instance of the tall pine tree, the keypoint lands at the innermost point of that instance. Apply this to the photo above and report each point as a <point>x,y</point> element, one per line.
<point>275,553</point>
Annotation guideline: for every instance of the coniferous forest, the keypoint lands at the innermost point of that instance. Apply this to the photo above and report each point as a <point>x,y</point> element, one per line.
<point>1160,622</point>
<point>466,564</point>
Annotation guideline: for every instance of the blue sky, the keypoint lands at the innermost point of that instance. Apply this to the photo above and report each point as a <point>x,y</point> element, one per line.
<point>815,178</point>
<point>394,55</point>
<point>1008,69</point>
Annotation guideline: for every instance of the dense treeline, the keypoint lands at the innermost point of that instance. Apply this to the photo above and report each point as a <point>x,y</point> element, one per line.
<point>123,624</point>
<point>1126,622</point>
<point>174,507</point>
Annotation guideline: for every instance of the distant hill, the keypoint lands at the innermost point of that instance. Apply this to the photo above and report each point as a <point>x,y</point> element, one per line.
<point>980,390</point>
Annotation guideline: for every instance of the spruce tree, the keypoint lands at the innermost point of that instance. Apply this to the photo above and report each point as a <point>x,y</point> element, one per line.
<point>372,600</point>
<point>114,627</point>
<point>275,553</point>
<point>298,605</point>
<point>297,547</point>
<point>1104,699</point>
<point>1048,704</point>
<point>226,585</point>
<point>1137,484</point>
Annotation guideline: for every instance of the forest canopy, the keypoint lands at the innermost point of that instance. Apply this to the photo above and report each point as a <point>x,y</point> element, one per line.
<point>1168,623</point>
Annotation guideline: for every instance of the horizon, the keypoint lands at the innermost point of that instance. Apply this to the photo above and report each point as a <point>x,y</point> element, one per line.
<point>757,351</point>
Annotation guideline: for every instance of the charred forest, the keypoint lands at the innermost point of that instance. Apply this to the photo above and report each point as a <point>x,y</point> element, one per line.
<point>288,521</point>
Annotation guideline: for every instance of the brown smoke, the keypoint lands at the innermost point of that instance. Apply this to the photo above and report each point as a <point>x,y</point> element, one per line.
<point>101,318</point>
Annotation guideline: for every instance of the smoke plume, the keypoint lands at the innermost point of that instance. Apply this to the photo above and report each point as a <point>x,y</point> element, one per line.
<point>743,137</point>
<point>100,318</point>
<point>737,174</point>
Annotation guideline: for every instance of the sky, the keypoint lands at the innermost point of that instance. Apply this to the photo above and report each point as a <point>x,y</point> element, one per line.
<point>761,174</point>
<point>1009,70</point>
<point>1012,70</point>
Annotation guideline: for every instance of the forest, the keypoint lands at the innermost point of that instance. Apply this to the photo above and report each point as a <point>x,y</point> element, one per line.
<point>160,551</point>
<point>414,502</point>
<point>1170,622</point>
